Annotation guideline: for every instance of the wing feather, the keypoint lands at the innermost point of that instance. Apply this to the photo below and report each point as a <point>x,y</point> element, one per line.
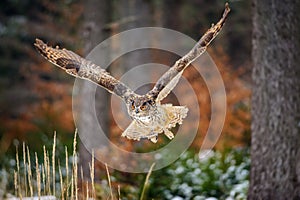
<point>170,78</point>
<point>77,66</point>
<point>169,87</point>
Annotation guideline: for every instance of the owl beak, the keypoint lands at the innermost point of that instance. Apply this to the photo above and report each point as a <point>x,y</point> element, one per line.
<point>137,111</point>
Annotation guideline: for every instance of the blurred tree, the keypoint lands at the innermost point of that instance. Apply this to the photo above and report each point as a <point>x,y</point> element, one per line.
<point>275,152</point>
<point>129,15</point>
<point>34,98</point>
<point>97,14</point>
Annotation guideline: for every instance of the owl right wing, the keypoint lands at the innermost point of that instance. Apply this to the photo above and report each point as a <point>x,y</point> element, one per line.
<point>170,78</point>
<point>77,66</point>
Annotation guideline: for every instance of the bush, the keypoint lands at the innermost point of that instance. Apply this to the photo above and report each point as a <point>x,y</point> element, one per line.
<point>209,175</point>
<point>217,176</point>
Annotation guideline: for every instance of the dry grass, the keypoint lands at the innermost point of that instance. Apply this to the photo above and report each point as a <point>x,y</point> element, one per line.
<point>41,183</point>
<point>146,183</point>
<point>109,182</point>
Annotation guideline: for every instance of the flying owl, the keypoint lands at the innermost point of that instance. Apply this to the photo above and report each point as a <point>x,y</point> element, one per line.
<point>149,116</point>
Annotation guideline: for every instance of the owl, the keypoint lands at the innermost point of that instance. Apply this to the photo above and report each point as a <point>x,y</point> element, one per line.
<point>149,116</point>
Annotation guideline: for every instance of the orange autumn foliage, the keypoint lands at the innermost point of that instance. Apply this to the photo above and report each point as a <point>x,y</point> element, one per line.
<point>237,122</point>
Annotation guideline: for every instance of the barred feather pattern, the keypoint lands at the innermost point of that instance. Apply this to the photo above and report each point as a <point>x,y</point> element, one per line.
<point>170,78</point>
<point>77,66</point>
<point>167,116</point>
<point>149,116</point>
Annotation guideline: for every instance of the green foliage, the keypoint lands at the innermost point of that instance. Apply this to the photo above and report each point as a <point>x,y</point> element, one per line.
<point>220,175</point>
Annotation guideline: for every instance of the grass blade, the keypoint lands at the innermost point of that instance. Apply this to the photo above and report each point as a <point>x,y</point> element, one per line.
<point>146,182</point>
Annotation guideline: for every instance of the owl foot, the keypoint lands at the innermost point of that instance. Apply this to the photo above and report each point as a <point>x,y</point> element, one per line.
<point>153,139</point>
<point>169,134</point>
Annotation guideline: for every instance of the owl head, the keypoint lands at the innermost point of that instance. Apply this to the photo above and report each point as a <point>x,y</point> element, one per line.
<point>140,106</point>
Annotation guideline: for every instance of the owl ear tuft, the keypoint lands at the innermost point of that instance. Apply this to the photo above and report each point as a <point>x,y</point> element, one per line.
<point>151,102</point>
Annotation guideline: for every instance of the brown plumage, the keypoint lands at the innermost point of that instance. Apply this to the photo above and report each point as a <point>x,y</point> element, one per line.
<point>149,117</point>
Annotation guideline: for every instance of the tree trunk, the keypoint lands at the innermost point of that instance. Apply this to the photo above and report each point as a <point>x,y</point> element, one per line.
<point>134,14</point>
<point>128,15</point>
<point>96,16</point>
<point>275,148</point>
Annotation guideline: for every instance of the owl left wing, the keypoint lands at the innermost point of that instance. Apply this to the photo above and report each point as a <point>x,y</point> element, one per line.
<point>77,66</point>
<point>170,78</point>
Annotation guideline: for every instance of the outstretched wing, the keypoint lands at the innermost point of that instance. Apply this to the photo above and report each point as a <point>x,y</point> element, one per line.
<point>169,79</point>
<point>79,67</point>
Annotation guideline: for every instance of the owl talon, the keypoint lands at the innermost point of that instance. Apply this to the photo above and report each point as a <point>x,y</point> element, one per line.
<point>153,139</point>
<point>169,134</point>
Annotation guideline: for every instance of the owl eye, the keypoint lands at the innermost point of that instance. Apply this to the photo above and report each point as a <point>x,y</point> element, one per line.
<point>143,107</point>
<point>132,106</point>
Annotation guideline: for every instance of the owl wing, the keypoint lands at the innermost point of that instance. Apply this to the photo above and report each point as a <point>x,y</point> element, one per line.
<point>77,66</point>
<point>170,78</point>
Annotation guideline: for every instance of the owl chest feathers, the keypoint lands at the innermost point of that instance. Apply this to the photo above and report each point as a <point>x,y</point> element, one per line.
<point>156,118</point>
<point>160,120</point>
